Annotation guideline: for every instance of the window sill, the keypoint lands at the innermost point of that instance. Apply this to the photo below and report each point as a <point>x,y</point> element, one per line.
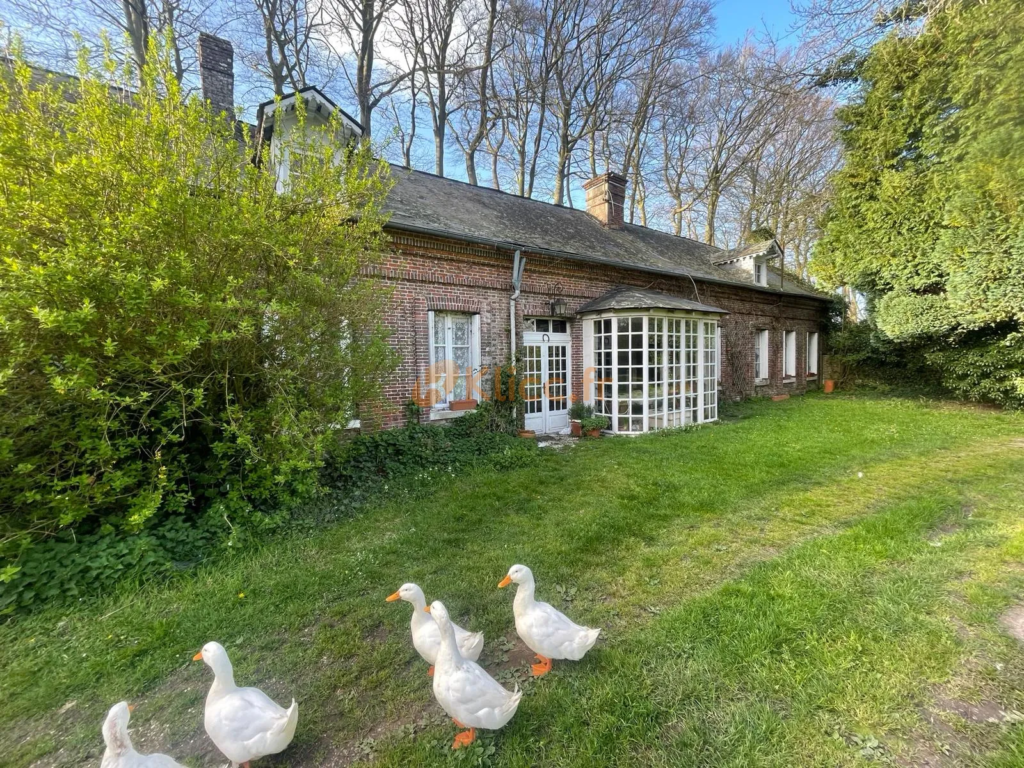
<point>761,382</point>
<point>443,414</point>
<point>789,380</point>
<point>812,376</point>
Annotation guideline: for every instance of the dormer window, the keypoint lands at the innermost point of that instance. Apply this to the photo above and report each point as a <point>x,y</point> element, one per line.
<point>760,273</point>
<point>299,162</point>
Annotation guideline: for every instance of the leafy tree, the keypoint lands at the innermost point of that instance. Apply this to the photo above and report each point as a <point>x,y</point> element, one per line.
<point>178,338</point>
<point>927,218</point>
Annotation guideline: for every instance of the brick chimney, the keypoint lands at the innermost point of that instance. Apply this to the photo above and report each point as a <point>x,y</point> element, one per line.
<point>606,197</point>
<point>217,72</point>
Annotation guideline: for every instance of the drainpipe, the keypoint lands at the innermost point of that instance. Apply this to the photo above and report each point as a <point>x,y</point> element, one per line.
<point>518,267</point>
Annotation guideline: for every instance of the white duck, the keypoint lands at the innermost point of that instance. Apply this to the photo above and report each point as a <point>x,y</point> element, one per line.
<point>549,633</point>
<point>470,696</point>
<point>120,753</point>
<point>426,638</point>
<point>244,723</point>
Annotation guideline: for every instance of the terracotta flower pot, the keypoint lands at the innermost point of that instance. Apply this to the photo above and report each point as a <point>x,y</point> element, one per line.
<point>462,405</point>
<point>830,386</point>
<point>575,428</point>
<point>527,433</point>
<point>593,433</point>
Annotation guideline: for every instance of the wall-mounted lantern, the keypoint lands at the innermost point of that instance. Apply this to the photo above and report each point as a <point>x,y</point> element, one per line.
<point>559,307</point>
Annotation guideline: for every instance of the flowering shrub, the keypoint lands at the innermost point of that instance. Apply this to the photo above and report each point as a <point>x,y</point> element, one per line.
<point>179,340</point>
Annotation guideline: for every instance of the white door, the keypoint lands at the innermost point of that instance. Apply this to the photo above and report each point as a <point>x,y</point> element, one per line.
<point>546,384</point>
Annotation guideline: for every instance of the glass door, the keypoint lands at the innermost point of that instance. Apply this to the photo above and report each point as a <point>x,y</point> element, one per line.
<point>545,371</point>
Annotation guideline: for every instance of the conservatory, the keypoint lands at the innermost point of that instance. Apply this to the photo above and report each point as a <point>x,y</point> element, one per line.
<point>650,360</point>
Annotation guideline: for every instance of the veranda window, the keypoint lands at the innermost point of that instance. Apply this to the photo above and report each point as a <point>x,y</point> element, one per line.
<point>654,371</point>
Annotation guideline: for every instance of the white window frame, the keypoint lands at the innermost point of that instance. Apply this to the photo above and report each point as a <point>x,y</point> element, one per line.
<point>788,355</point>
<point>761,368</point>
<point>436,316</point>
<point>705,393</point>
<point>812,354</point>
<point>760,272</point>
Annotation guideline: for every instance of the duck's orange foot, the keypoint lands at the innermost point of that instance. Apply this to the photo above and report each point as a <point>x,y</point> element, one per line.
<point>430,671</point>
<point>543,667</point>
<point>464,739</point>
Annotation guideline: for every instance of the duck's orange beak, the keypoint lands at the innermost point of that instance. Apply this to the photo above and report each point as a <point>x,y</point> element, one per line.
<point>392,598</point>
<point>505,582</point>
<point>426,608</point>
<point>131,707</point>
<point>198,656</point>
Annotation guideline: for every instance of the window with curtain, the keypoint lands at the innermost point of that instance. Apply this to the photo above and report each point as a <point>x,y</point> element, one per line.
<point>454,350</point>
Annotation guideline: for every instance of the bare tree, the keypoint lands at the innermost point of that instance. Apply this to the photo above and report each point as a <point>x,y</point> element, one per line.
<point>292,37</point>
<point>677,135</point>
<point>521,78</point>
<point>737,104</point>
<point>434,37</point>
<point>784,187</point>
<point>402,108</point>
<point>594,48</point>
<point>476,113</point>
<point>362,24</point>
<point>48,28</point>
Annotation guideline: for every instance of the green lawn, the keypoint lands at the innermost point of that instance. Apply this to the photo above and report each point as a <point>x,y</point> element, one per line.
<point>813,582</point>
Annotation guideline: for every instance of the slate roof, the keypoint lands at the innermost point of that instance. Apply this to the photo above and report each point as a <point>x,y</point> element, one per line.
<point>751,249</point>
<point>428,204</point>
<point>40,76</point>
<point>627,297</point>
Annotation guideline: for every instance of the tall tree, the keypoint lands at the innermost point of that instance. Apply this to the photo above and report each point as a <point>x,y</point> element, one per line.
<point>476,113</point>
<point>49,28</point>
<point>361,23</point>
<point>926,218</point>
<point>292,35</point>
<point>434,36</point>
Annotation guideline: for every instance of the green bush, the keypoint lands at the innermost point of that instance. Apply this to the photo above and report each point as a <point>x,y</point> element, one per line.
<point>359,464</point>
<point>865,354</point>
<point>925,217</point>
<point>178,340</point>
<point>579,411</point>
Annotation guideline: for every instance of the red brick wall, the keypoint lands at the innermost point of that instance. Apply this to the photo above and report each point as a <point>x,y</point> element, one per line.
<point>433,274</point>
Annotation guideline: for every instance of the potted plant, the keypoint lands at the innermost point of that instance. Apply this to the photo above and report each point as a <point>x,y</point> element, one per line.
<point>527,433</point>
<point>592,425</point>
<point>462,405</point>
<point>577,413</point>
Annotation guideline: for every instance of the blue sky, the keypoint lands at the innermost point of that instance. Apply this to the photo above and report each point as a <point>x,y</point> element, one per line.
<point>735,17</point>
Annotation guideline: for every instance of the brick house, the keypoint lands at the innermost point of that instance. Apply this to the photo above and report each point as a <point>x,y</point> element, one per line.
<point>651,329</point>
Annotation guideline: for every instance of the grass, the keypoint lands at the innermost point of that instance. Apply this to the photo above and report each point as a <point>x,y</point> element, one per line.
<point>814,582</point>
